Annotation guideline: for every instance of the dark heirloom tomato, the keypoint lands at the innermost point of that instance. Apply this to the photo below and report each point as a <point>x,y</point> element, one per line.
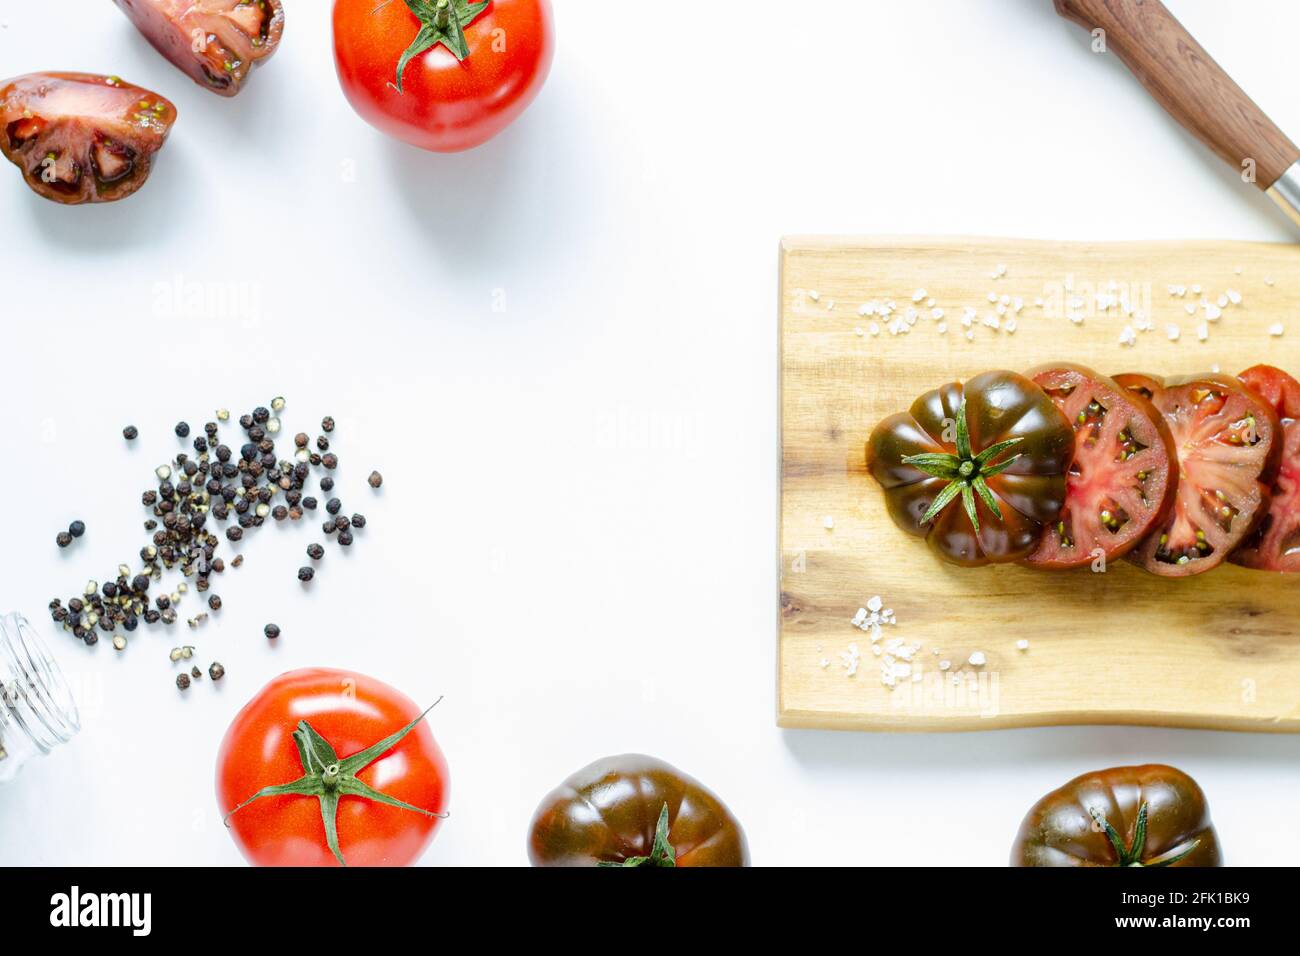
<point>634,810</point>
<point>998,444</point>
<point>1227,442</point>
<point>1124,474</point>
<point>217,42</point>
<point>1274,545</point>
<point>81,137</point>
<point>1150,815</point>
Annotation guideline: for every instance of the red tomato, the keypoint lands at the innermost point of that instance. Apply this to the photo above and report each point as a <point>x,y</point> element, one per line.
<point>1275,543</point>
<point>350,712</point>
<point>445,104</point>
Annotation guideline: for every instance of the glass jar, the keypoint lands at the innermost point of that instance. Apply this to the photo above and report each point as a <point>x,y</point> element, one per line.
<point>37,710</point>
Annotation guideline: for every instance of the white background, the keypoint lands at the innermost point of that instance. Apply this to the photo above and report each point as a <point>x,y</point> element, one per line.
<point>576,543</point>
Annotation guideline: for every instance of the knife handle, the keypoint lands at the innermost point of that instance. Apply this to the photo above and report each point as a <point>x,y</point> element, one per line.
<point>1186,81</point>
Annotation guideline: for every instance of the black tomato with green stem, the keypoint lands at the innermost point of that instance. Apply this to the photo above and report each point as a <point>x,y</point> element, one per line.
<point>1151,815</point>
<point>976,469</point>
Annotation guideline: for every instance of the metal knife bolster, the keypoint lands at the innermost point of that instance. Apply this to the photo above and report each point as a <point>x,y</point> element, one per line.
<point>1286,192</point>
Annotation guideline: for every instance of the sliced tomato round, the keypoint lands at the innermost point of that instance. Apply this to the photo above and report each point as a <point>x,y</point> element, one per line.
<point>1124,475</point>
<point>1274,545</point>
<point>1227,440</point>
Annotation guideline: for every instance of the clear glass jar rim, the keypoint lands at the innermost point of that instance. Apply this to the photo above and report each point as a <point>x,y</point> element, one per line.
<point>40,701</point>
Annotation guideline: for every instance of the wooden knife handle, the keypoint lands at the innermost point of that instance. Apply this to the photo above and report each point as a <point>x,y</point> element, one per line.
<point>1186,81</point>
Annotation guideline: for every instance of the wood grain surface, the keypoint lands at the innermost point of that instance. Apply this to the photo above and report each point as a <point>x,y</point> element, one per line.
<point>1221,650</point>
<point>1186,81</point>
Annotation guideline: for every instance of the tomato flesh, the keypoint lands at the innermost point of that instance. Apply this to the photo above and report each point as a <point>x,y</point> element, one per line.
<point>1275,543</point>
<point>1123,475</point>
<point>1226,441</point>
<point>82,137</point>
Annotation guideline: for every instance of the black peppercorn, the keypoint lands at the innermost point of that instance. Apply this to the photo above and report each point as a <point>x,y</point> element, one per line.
<point>272,631</point>
<point>345,538</point>
<point>306,574</point>
<point>358,521</point>
<point>130,433</point>
<point>375,479</point>
<point>309,503</point>
<point>279,512</point>
<point>183,681</point>
<point>315,552</point>
<point>214,602</point>
<point>327,423</point>
<point>322,443</point>
<point>234,533</point>
<point>342,522</point>
<point>261,415</point>
<point>182,430</point>
<point>245,422</point>
<point>333,506</point>
<point>216,671</point>
<point>63,539</point>
<point>328,527</point>
<point>327,483</point>
<point>330,460</point>
<point>77,529</point>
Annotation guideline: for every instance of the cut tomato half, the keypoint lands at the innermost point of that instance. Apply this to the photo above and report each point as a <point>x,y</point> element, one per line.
<point>1124,474</point>
<point>1274,545</point>
<point>1227,441</point>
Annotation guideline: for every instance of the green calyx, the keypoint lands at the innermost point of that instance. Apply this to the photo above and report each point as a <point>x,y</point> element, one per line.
<point>329,779</point>
<point>967,473</point>
<point>441,21</point>
<point>1132,855</point>
<point>661,854</point>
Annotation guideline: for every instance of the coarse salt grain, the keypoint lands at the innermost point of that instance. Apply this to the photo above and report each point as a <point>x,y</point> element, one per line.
<point>977,659</point>
<point>1276,329</point>
<point>1174,332</point>
<point>1022,644</point>
<point>1203,331</point>
<point>828,522</point>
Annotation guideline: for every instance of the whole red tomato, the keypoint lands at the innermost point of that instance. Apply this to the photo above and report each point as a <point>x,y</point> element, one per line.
<point>317,747</point>
<point>444,75</point>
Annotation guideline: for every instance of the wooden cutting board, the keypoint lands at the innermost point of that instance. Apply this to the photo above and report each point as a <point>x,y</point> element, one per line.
<point>1220,650</point>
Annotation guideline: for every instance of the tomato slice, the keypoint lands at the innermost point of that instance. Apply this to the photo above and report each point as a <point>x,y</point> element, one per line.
<point>1275,544</point>
<point>82,137</point>
<point>1227,441</point>
<point>1123,478</point>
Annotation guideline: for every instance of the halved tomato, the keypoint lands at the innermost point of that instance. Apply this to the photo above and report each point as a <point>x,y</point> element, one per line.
<point>1227,442</point>
<point>1274,545</point>
<point>1123,478</point>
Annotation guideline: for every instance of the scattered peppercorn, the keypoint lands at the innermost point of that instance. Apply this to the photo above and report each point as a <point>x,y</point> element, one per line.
<point>183,681</point>
<point>196,672</point>
<point>375,479</point>
<point>216,671</point>
<point>333,506</point>
<point>272,631</point>
<point>358,521</point>
<point>196,494</point>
